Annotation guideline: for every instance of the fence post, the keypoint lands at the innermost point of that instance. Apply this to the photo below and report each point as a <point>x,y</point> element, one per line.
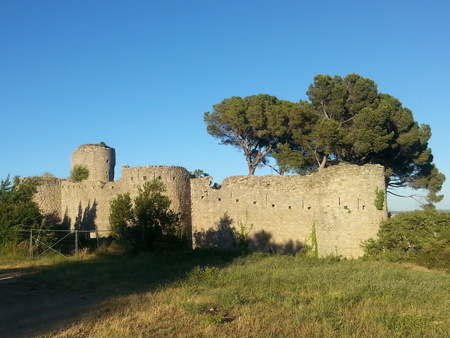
<point>76,243</point>
<point>31,243</point>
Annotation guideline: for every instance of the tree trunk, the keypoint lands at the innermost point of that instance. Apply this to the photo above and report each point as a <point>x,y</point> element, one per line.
<point>323,163</point>
<point>250,165</point>
<point>251,169</point>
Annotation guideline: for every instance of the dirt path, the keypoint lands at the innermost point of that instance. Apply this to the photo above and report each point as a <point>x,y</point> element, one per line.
<point>27,309</point>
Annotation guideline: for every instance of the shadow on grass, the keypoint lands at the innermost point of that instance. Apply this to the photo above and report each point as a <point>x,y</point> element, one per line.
<point>37,300</point>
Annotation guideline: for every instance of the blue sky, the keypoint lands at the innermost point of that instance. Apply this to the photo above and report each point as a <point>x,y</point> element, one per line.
<point>139,75</point>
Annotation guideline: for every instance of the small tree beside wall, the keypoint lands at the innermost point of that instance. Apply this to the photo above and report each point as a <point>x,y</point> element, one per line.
<point>18,212</point>
<point>147,222</point>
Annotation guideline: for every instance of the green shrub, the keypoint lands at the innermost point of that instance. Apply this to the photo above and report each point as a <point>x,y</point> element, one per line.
<point>18,212</point>
<point>79,173</point>
<point>241,233</point>
<point>379,199</point>
<point>147,222</point>
<point>421,237</point>
<point>121,216</point>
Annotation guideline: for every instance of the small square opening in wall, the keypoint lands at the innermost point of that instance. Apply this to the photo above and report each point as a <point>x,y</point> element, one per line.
<point>237,199</point>
<point>145,178</point>
<point>219,199</point>
<point>254,202</point>
<point>289,207</point>
<point>273,205</point>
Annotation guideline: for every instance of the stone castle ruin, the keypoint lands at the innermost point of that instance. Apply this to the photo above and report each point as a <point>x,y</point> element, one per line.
<point>333,209</point>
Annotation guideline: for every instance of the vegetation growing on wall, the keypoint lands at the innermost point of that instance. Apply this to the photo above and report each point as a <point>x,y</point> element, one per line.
<point>314,243</point>
<point>242,232</point>
<point>379,199</point>
<point>146,222</point>
<point>79,173</point>
<point>197,173</point>
<point>421,237</point>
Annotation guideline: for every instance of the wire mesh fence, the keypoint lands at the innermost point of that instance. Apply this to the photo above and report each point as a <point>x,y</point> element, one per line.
<point>63,242</point>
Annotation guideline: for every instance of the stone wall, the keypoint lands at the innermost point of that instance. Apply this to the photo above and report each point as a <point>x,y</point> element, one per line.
<point>87,203</point>
<point>48,196</point>
<point>281,211</point>
<point>176,180</point>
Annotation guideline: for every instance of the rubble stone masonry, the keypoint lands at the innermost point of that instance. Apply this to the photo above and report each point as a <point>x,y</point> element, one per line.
<point>282,213</point>
<point>333,208</point>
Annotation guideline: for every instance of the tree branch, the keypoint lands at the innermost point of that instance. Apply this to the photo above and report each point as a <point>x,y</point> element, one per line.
<point>279,172</point>
<point>415,197</point>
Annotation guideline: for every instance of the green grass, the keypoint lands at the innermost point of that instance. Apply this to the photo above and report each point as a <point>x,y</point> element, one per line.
<point>210,294</point>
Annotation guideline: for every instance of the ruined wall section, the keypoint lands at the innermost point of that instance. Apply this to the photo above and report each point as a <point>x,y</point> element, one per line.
<point>346,213</point>
<point>85,205</point>
<point>282,210</point>
<point>99,159</point>
<point>48,196</point>
<point>279,212</point>
<point>93,198</point>
<point>176,180</point>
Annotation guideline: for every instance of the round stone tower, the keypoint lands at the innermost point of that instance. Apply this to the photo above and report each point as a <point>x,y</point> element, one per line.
<point>99,159</point>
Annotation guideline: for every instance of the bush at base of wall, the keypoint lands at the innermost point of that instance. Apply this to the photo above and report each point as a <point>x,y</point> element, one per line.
<point>421,237</point>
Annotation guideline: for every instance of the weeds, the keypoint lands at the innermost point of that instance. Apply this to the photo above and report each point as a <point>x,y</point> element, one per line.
<point>204,275</point>
<point>379,199</point>
<point>242,232</point>
<point>214,320</point>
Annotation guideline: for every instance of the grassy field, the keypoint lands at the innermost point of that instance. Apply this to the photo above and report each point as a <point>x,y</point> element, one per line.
<point>210,294</point>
